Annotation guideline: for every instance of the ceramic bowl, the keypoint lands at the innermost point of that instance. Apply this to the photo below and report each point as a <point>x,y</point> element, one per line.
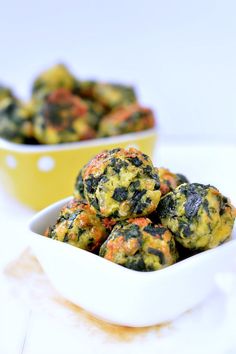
<point>119,295</point>
<point>38,175</point>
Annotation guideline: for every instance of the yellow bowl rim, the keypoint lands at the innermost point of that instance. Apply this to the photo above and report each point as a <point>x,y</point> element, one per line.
<point>7,145</point>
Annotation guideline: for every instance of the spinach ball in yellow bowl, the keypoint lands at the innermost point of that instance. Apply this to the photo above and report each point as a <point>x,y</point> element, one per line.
<point>198,215</point>
<point>15,119</point>
<point>131,118</point>
<point>139,244</point>
<point>51,79</point>
<point>63,117</point>
<point>121,183</point>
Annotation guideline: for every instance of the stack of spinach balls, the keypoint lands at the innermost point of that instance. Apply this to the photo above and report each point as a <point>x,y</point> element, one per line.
<point>63,108</point>
<point>139,216</point>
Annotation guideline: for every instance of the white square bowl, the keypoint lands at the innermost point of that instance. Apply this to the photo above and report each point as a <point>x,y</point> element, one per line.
<point>119,295</point>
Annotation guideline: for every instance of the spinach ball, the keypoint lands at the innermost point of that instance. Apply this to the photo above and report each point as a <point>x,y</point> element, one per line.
<point>111,95</point>
<point>139,244</point>
<point>121,184</point>
<point>169,180</point>
<point>198,215</point>
<point>62,117</point>
<point>108,95</point>
<point>15,120</point>
<point>128,119</point>
<point>78,225</point>
<point>52,79</point>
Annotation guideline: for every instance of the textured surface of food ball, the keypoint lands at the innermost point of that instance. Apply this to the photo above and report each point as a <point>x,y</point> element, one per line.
<point>79,226</point>
<point>79,185</point>
<point>198,215</point>
<point>169,180</point>
<point>62,118</point>
<point>50,80</point>
<point>95,112</point>
<point>113,95</point>
<point>121,184</point>
<point>131,118</point>
<point>85,88</point>
<point>139,244</point>
<point>15,120</point>
<point>107,94</point>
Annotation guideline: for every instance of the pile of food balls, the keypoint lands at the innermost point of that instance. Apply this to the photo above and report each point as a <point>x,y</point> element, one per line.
<point>63,109</point>
<point>141,217</point>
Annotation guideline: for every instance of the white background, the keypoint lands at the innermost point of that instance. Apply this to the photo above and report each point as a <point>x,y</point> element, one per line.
<point>180,54</point>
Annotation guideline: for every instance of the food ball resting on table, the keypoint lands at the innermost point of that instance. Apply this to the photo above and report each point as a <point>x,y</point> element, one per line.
<point>79,226</point>
<point>63,117</point>
<point>120,183</point>
<point>198,215</point>
<point>131,118</point>
<point>15,120</point>
<point>139,244</point>
<point>169,180</point>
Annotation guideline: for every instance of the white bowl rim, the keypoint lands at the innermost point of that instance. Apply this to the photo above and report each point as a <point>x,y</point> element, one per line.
<point>8,145</point>
<point>145,275</point>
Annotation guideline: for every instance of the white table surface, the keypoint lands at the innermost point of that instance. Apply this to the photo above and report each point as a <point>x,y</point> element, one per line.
<point>34,319</point>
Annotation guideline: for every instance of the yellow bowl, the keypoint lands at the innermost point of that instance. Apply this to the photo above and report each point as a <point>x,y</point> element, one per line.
<point>38,175</point>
